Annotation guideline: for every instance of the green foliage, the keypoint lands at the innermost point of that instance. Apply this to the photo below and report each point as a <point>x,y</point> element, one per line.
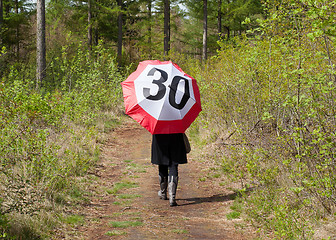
<point>4,225</point>
<point>270,99</point>
<point>15,22</point>
<point>49,137</point>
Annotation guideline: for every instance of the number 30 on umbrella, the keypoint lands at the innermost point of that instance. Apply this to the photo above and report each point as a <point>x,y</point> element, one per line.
<point>161,97</point>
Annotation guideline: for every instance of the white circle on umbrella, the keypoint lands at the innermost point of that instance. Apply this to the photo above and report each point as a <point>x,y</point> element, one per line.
<point>158,105</point>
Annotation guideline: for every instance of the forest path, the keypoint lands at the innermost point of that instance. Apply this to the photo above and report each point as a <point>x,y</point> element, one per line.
<point>126,206</point>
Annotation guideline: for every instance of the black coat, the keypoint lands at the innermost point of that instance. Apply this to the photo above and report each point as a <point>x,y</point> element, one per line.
<point>168,148</point>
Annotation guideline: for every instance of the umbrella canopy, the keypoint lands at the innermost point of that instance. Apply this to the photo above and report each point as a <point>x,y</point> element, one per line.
<point>161,97</point>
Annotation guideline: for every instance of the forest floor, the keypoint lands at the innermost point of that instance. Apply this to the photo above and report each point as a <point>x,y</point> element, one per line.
<point>125,205</point>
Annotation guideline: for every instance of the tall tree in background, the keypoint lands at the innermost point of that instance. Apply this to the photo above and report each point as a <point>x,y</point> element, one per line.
<point>1,19</point>
<point>149,6</point>
<point>90,24</point>
<point>166,29</point>
<point>120,33</point>
<point>219,20</point>
<point>40,43</point>
<point>17,31</point>
<point>205,30</point>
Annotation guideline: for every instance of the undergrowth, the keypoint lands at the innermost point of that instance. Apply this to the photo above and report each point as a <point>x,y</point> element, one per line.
<point>269,108</point>
<point>50,137</point>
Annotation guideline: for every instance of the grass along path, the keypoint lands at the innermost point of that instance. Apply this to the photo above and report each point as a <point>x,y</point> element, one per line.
<point>125,205</point>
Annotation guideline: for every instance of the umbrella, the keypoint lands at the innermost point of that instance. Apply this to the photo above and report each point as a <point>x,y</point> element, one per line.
<point>161,97</point>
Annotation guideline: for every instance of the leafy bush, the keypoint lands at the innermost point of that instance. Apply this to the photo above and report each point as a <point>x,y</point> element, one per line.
<point>49,137</point>
<point>270,101</point>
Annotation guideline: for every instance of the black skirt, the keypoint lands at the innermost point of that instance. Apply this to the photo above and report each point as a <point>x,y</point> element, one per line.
<point>168,149</point>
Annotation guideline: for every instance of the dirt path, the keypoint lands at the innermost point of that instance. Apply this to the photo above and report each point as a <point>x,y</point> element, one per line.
<point>126,206</point>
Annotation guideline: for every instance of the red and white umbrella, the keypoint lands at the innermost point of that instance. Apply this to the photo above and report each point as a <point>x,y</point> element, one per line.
<point>161,97</point>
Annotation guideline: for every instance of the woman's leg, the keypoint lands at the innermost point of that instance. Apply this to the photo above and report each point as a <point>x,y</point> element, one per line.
<point>163,178</point>
<point>173,170</point>
<point>172,183</point>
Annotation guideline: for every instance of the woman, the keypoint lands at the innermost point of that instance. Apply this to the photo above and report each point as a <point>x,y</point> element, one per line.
<point>168,150</point>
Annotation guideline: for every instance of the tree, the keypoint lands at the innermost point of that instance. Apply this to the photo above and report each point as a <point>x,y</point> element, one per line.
<point>1,20</point>
<point>166,28</point>
<point>236,11</point>
<point>17,31</point>
<point>219,19</point>
<point>15,26</point>
<point>90,24</point>
<point>120,33</point>
<point>149,6</point>
<point>40,43</point>
<point>205,30</point>
<point>200,28</point>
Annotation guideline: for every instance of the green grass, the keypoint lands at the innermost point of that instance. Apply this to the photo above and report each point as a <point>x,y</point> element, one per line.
<point>128,196</point>
<point>74,219</point>
<point>110,124</point>
<point>122,185</point>
<point>216,175</point>
<point>125,224</point>
<point>118,214</point>
<point>233,215</point>
<point>180,231</point>
<point>115,233</point>
<point>202,179</point>
<point>110,191</point>
<point>126,202</point>
<point>136,167</point>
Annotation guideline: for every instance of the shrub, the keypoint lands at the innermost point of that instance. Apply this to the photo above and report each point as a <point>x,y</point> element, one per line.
<point>270,101</point>
<point>49,137</point>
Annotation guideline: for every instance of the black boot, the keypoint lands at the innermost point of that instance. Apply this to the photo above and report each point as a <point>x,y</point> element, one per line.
<point>172,186</point>
<point>163,188</point>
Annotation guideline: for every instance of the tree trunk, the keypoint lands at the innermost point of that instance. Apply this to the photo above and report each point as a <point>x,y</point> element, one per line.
<point>96,36</point>
<point>89,25</point>
<point>40,43</point>
<point>150,28</point>
<point>1,19</point>
<point>227,32</point>
<point>120,33</point>
<point>205,29</point>
<point>219,18</point>
<point>17,31</point>
<point>166,30</point>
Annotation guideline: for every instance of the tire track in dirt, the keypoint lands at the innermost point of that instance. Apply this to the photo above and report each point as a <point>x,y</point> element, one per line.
<point>202,209</point>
